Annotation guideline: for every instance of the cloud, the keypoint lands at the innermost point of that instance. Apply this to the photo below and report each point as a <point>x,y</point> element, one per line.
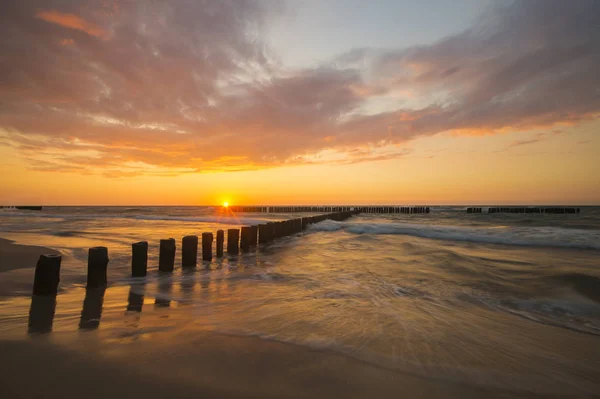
<point>126,88</point>
<point>535,139</point>
<point>70,21</point>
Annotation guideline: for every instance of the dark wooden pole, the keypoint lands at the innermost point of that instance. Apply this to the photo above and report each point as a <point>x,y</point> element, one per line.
<point>41,313</point>
<point>263,237</point>
<point>220,240</point>
<point>233,241</point>
<point>139,259</point>
<point>245,238</point>
<point>207,240</point>
<point>189,251</point>
<point>253,235</point>
<point>47,275</point>
<point>97,265</point>
<point>166,255</point>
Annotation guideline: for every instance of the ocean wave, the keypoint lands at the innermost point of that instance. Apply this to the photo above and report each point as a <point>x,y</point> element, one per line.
<point>200,219</point>
<point>588,286</point>
<point>203,219</point>
<point>504,235</point>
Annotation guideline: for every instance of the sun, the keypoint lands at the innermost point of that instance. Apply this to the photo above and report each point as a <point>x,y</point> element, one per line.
<point>225,204</point>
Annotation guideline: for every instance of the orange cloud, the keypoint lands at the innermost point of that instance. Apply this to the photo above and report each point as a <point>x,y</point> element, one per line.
<point>70,21</point>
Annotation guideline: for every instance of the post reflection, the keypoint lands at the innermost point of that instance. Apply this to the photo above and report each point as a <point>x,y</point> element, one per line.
<point>187,285</point>
<point>164,289</point>
<point>92,309</point>
<point>135,299</point>
<point>41,314</point>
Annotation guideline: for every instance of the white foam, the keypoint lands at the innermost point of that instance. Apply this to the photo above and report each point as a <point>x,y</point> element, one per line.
<point>519,235</point>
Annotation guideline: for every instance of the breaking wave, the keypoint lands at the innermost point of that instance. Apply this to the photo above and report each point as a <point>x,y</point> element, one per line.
<point>504,235</point>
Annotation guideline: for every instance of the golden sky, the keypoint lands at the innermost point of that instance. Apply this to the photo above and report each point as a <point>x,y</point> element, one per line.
<point>198,103</point>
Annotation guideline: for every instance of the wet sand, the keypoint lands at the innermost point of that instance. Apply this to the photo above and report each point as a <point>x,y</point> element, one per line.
<point>17,266</point>
<point>16,256</point>
<point>71,365</point>
<point>110,348</point>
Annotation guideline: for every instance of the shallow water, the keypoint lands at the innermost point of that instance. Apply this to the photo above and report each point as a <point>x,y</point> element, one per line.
<point>495,300</point>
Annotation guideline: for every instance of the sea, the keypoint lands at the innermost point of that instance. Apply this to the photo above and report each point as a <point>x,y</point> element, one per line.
<point>497,300</point>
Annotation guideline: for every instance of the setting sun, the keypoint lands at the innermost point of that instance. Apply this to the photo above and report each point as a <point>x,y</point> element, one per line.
<point>225,204</point>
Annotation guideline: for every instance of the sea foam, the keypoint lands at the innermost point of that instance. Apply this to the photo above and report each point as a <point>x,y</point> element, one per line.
<point>504,235</point>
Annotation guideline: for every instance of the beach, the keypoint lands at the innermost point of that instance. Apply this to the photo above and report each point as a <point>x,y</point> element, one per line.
<point>431,306</point>
<point>179,362</point>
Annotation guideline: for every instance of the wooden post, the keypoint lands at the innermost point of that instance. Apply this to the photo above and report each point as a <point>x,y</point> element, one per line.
<point>189,251</point>
<point>220,240</point>
<point>41,313</point>
<point>166,255</point>
<point>97,264</point>
<point>263,237</point>
<point>47,275</point>
<point>253,235</point>
<point>139,259</point>
<point>245,238</point>
<point>233,241</point>
<point>207,239</point>
<point>304,223</point>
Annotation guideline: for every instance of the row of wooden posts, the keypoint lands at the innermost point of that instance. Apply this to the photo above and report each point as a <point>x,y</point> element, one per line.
<point>394,209</point>
<point>474,210</point>
<point>47,271</point>
<point>289,209</point>
<point>362,209</point>
<point>553,210</point>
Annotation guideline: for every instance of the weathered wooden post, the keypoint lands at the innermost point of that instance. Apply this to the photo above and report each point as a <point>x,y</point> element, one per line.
<point>189,250</point>
<point>270,231</point>
<point>139,259</point>
<point>233,241</point>
<point>166,255</point>
<point>47,275</point>
<point>97,265</point>
<point>253,235</point>
<point>263,237</point>
<point>41,313</point>
<point>220,240</point>
<point>245,238</point>
<point>207,240</point>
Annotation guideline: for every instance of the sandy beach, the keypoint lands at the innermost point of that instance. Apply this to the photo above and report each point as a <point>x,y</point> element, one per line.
<point>15,256</point>
<point>168,358</point>
<point>17,266</point>
<point>299,319</point>
<point>207,365</point>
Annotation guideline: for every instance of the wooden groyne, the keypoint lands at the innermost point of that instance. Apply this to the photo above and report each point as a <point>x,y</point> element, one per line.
<point>529,209</point>
<point>334,209</point>
<point>47,271</point>
<point>24,207</point>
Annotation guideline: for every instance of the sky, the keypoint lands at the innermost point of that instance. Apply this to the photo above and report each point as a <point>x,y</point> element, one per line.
<point>300,102</point>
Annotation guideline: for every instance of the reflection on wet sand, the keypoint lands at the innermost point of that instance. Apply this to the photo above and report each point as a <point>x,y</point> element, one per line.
<point>188,282</point>
<point>164,289</point>
<point>135,299</point>
<point>92,309</point>
<point>41,314</point>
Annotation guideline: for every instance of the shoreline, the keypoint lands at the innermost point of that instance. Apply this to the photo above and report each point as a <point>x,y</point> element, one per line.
<point>17,266</point>
<point>18,256</point>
